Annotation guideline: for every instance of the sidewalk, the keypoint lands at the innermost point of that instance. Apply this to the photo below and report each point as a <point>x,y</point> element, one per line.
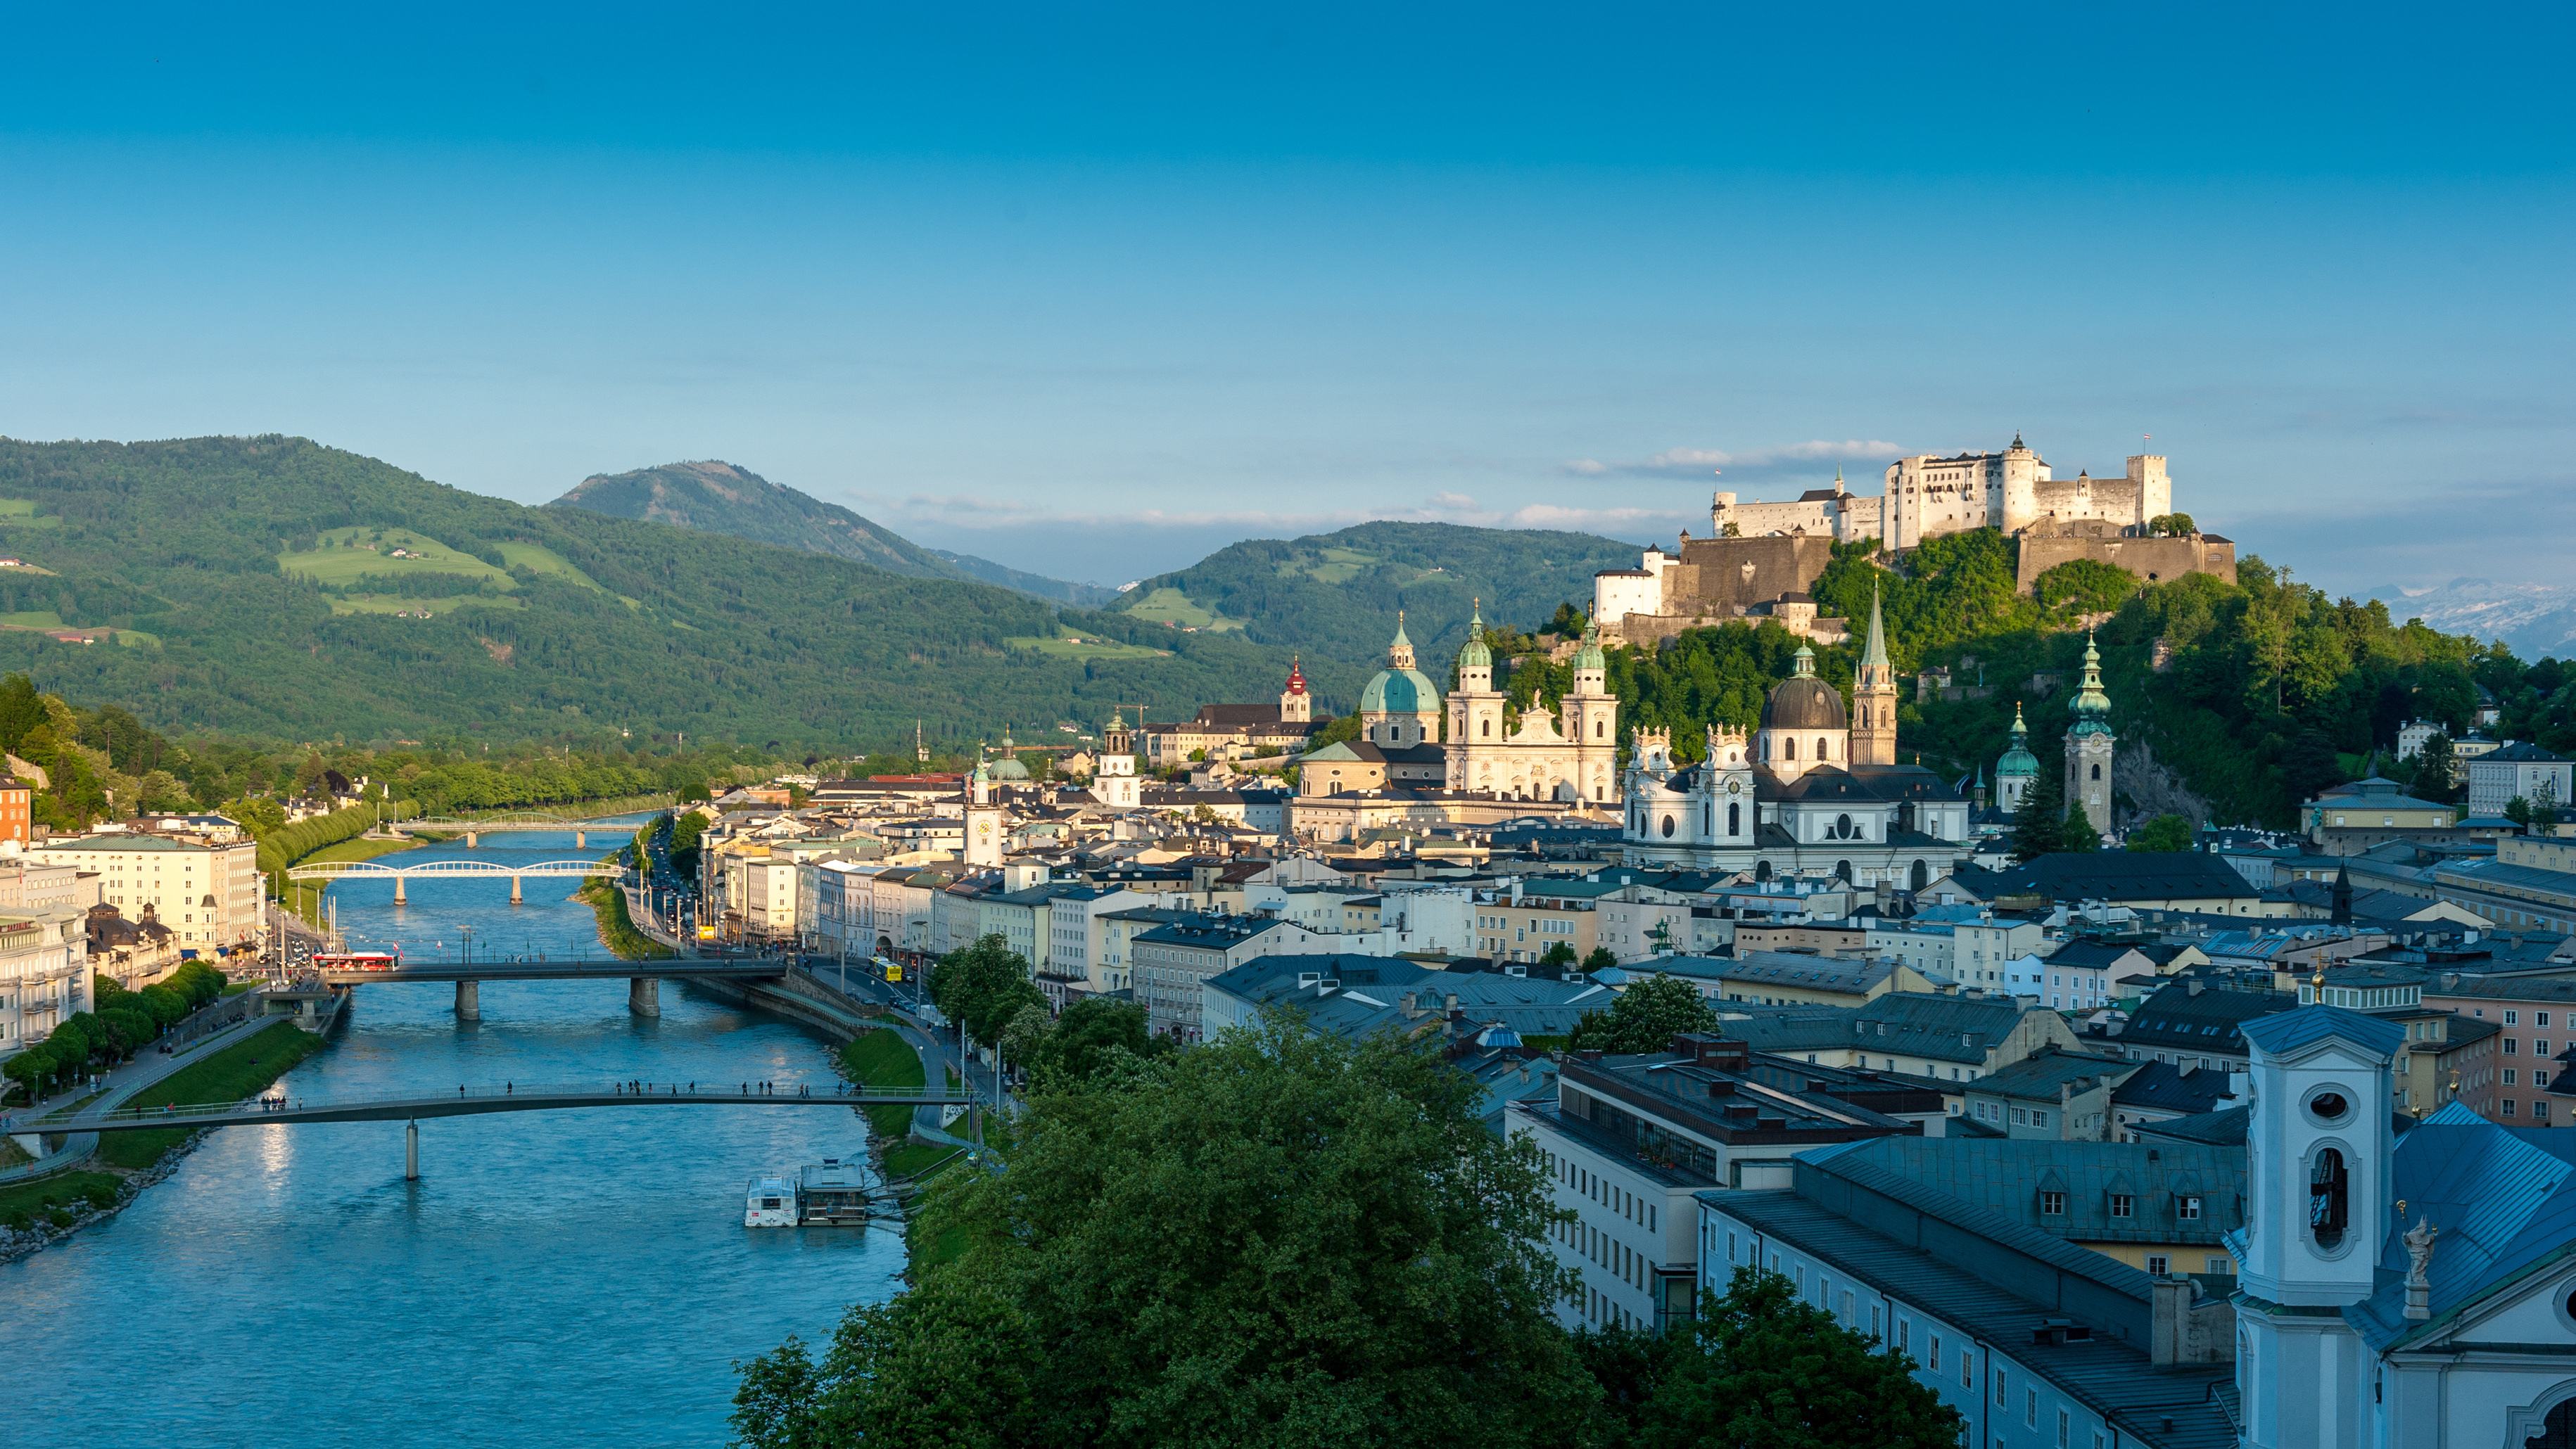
<point>147,1068</point>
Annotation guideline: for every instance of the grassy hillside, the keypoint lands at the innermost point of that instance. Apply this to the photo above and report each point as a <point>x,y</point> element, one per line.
<point>1334,596</point>
<point>721,498</point>
<point>258,583</point>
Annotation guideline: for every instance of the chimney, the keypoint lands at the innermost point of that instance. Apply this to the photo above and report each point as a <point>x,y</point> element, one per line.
<point>2170,1296</point>
<point>2191,987</point>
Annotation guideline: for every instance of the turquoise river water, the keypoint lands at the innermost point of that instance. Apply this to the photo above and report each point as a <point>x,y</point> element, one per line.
<point>554,1278</point>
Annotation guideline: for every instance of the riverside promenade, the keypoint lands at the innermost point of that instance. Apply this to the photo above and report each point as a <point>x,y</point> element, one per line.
<point>234,1018</point>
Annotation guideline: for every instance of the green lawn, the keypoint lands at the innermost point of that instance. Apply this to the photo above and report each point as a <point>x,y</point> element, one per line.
<point>539,559</point>
<point>21,513</point>
<point>1168,605</point>
<point>883,1058</point>
<point>1331,565</point>
<point>348,554</point>
<point>444,604</point>
<point>31,619</point>
<point>913,1158</point>
<point>69,1191</point>
<point>238,1071</point>
<point>1084,648</point>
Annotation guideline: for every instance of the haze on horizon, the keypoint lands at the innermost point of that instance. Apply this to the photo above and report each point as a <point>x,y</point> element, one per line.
<point>1091,293</point>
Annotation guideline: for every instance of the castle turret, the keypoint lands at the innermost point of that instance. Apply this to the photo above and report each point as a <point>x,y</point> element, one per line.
<point>2089,743</point>
<point>1873,736</point>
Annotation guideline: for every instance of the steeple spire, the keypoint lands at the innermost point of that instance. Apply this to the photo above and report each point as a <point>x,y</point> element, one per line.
<point>2092,707</point>
<point>1873,738</point>
<point>1875,655</point>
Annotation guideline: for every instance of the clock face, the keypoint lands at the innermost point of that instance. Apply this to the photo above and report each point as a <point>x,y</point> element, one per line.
<point>1735,787</point>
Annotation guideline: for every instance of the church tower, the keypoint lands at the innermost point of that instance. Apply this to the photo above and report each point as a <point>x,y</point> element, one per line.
<point>1591,715</point>
<point>983,817</point>
<point>2017,773</point>
<point>1477,723</point>
<point>1873,736</point>
<point>2319,1199</point>
<point>1113,781</point>
<point>1296,706</point>
<point>1400,707</point>
<point>2088,746</point>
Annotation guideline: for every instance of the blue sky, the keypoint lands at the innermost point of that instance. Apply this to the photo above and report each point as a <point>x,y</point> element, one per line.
<point>1093,290</point>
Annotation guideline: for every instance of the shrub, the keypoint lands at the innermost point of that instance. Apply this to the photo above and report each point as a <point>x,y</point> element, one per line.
<point>59,1218</point>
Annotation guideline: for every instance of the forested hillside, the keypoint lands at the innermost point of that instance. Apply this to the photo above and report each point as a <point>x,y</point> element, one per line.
<point>272,586</point>
<point>2270,690</point>
<point>721,498</point>
<point>1335,595</point>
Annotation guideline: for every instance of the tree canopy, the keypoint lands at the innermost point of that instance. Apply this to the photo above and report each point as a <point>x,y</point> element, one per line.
<point>1644,1017</point>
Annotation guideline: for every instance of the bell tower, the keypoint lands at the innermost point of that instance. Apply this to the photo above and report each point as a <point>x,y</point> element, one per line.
<point>2089,747</point>
<point>983,817</point>
<point>1296,706</point>
<point>1873,735</point>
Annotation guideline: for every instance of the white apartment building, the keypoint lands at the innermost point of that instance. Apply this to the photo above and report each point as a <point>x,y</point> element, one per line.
<point>1982,951</point>
<point>208,895</point>
<point>44,974</point>
<point>41,885</point>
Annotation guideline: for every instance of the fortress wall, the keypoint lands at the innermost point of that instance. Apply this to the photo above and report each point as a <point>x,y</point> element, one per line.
<point>2152,559</point>
<point>1717,579</point>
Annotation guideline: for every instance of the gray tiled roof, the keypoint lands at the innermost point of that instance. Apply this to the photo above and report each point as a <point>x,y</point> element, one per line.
<point>1943,1028</point>
<point>2006,1177</point>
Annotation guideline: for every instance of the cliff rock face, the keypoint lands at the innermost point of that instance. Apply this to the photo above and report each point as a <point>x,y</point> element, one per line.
<point>2151,788</point>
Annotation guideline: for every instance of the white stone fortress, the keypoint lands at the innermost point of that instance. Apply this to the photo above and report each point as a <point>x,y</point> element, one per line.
<point>1927,496</point>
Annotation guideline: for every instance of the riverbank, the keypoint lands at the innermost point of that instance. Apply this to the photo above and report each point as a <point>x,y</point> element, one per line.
<point>617,929</point>
<point>35,1212</point>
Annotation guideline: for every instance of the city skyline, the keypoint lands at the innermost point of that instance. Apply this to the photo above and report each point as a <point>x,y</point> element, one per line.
<point>1094,298</point>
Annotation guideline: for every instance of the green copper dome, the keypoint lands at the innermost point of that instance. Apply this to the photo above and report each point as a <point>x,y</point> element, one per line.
<point>1589,656</point>
<point>1476,655</point>
<point>1400,691</point>
<point>2018,760</point>
<point>2092,707</point>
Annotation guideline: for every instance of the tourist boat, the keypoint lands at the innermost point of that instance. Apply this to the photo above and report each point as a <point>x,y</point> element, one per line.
<point>771,1203</point>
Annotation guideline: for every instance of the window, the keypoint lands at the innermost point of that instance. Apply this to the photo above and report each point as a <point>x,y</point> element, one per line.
<point>2216,1266</point>
<point>2508,1106</point>
<point>2187,1208</point>
<point>2030,1410</point>
<point>2508,1076</point>
<point>2052,1204</point>
<point>2329,1191</point>
<point>1999,1388</point>
<point>2512,1017</point>
<point>2122,1204</point>
<point>1935,1364</point>
<point>2157,1264</point>
<point>1967,1370</point>
<point>1904,1333</point>
<point>2540,1018</point>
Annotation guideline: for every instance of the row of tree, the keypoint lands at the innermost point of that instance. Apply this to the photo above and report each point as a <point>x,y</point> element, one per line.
<point>118,1025</point>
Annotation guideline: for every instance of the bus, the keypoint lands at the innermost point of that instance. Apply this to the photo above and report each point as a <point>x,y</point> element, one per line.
<point>356,961</point>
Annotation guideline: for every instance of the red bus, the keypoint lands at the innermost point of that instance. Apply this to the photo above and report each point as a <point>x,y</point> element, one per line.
<point>356,961</point>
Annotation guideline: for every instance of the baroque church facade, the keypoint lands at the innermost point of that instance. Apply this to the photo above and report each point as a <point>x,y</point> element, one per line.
<point>1816,791</point>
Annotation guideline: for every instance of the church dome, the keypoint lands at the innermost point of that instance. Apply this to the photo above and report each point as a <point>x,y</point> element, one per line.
<point>1009,768</point>
<point>1804,702</point>
<point>1400,691</point>
<point>1476,655</point>
<point>2017,761</point>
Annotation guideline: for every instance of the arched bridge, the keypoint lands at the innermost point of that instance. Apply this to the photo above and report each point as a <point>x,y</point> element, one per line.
<point>521,820</point>
<point>333,870</point>
<point>643,978</point>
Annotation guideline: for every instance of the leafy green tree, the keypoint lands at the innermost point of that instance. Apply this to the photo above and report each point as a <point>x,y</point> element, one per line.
<point>1601,956</point>
<point>1760,1366</point>
<point>1558,954</point>
<point>1273,1239</point>
<point>1645,1017</point>
<point>2162,835</point>
<point>2085,586</point>
<point>2433,766</point>
<point>983,985</point>
<point>2172,525</point>
<point>1091,1039</point>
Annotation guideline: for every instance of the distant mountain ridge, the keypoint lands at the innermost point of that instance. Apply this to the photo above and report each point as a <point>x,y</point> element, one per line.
<point>712,496</point>
<point>2535,621</point>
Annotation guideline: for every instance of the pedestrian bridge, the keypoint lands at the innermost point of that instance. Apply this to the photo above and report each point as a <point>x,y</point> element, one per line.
<point>339,870</point>
<point>478,1101</point>
<point>485,1100</point>
<point>475,829</point>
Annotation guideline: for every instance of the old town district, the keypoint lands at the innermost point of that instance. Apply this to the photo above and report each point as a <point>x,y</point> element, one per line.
<point>2261,1142</point>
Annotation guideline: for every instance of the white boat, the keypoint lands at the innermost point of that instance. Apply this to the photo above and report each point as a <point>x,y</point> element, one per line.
<point>771,1203</point>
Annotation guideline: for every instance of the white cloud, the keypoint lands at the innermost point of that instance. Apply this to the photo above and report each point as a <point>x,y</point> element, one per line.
<point>1785,458</point>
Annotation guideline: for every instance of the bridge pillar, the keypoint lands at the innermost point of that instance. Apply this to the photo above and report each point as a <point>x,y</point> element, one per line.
<point>469,1001</point>
<point>581,840</point>
<point>398,888</point>
<point>514,890</point>
<point>644,995</point>
<point>411,1143</point>
<point>470,840</point>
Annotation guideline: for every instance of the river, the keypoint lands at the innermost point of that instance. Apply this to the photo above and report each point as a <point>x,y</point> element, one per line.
<point>554,1278</point>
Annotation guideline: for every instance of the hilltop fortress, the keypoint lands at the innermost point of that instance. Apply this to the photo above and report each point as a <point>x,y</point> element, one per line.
<point>1763,557</point>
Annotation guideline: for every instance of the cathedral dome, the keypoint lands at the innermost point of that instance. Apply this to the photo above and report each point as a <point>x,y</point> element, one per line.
<point>1009,768</point>
<point>1804,702</point>
<point>2018,761</point>
<point>1400,691</point>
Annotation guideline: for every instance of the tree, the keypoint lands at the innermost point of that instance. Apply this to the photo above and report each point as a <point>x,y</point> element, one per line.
<point>1760,1366</point>
<point>2433,766</point>
<point>1601,956</point>
<point>1645,1017</point>
<point>2310,765</point>
<point>2162,835</point>
<point>1559,954</point>
<point>2039,825</point>
<point>983,985</point>
<point>1091,1038</point>
<point>2172,525</point>
<point>1273,1239</point>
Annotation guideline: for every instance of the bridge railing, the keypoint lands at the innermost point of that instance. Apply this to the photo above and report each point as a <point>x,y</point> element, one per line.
<point>511,1091</point>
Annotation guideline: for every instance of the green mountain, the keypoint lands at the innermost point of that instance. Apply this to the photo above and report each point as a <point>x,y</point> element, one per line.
<point>273,586</point>
<point>1335,595</point>
<point>717,497</point>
